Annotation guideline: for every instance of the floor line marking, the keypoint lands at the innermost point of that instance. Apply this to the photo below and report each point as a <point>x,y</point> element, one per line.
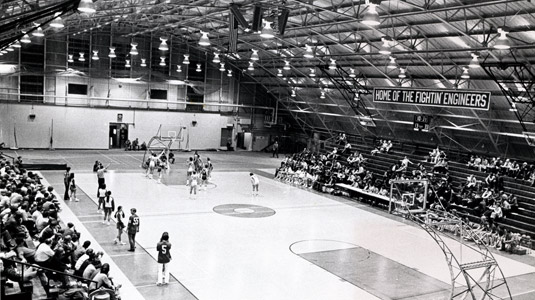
<point>127,254</point>
<point>149,285</point>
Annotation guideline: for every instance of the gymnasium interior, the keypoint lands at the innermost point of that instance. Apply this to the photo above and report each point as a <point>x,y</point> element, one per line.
<point>391,142</point>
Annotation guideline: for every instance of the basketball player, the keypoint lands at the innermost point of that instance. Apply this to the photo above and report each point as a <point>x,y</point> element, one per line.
<point>164,257</point>
<point>191,168</point>
<point>193,183</point>
<point>133,229</point>
<point>119,216</point>
<point>255,182</point>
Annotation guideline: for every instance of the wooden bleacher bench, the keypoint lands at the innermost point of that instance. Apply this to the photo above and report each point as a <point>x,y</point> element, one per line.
<point>384,200</point>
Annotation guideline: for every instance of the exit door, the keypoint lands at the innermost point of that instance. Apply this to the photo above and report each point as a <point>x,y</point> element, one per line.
<point>118,135</point>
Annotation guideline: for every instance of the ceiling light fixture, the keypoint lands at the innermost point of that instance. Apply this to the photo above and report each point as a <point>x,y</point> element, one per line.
<point>322,95</point>
<point>25,39</point>
<point>16,44</point>
<point>392,63</point>
<point>216,59</point>
<point>503,42</point>
<point>371,17</point>
<point>143,62</point>
<point>179,68</point>
<point>229,74</point>
<point>163,45</point>
<point>279,72</point>
<point>134,51</point>
<point>57,23</point>
<point>251,66</point>
<point>127,65</point>
<point>465,74</point>
<point>198,68</point>
<point>162,61</point>
<point>222,67</point>
<point>95,55</point>
<point>402,73</point>
<point>287,65</point>
<point>255,56</point>
<point>112,53</point>
<point>87,6</point>
<point>38,32</point>
<point>312,73</point>
<point>204,40</point>
<point>352,73</point>
<point>513,107</point>
<point>81,58</point>
<point>474,63</point>
<point>385,49</point>
<point>186,59</point>
<point>71,58</point>
<point>267,31</point>
<point>10,48</point>
<point>308,52</point>
<point>293,93</point>
<point>332,64</point>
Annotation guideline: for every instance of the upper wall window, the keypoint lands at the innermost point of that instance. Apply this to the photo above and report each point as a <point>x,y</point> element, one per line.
<point>158,94</point>
<point>77,89</point>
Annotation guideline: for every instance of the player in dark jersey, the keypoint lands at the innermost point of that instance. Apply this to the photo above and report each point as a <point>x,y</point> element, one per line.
<point>133,229</point>
<point>164,257</point>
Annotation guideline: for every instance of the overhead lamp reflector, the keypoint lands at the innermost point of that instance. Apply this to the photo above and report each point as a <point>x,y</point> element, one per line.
<point>127,65</point>
<point>392,63</point>
<point>179,68</point>
<point>465,74</point>
<point>287,65</point>
<point>503,42</point>
<point>332,64</point>
<point>163,45</point>
<point>162,61</point>
<point>385,49</point>
<point>229,74</point>
<point>71,58</point>
<point>222,67</point>
<point>312,73</point>
<point>279,72</point>
<point>16,44</point>
<point>251,66</point>
<point>308,52</point>
<point>81,58</point>
<point>255,56</point>
<point>112,53</point>
<point>371,17</point>
<point>216,59</point>
<point>267,31</point>
<point>134,51</point>
<point>204,40</point>
<point>402,73</point>
<point>143,62</point>
<point>38,32</point>
<point>198,68</point>
<point>57,23</point>
<point>474,63</point>
<point>352,73</point>
<point>87,6</point>
<point>186,59</point>
<point>95,55</point>
<point>25,39</point>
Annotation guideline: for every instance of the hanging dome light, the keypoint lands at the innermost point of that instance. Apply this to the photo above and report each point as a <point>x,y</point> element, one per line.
<point>293,93</point>
<point>251,66</point>
<point>204,40</point>
<point>186,59</point>
<point>1,53</point>
<point>71,58</point>
<point>179,68</point>
<point>163,45</point>
<point>38,32</point>
<point>385,49</point>
<point>474,63</point>
<point>57,23</point>
<point>308,52</point>
<point>95,55</point>
<point>322,95</point>
<point>279,72</point>
<point>229,74</point>
<point>216,59</point>
<point>162,61</point>
<point>402,73</point>
<point>143,62</point>
<point>332,64</point>
<point>127,65</point>
<point>312,73</point>
<point>465,74</point>
<point>356,98</point>
<point>4,51</point>
<point>81,58</point>
<point>352,73</point>
<point>267,31</point>
<point>134,51</point>
<point>287,65</point>
<point>25,39</point>
<point>503,42</point>
<point>112,53</point>
<point>392,63</point>
<point>10,48</point>
<point>16,44</point>
<point>371,17</point>
<point>87,6</point>
<point>255,56</point>
<point>198,68</point>
<point>222,67</point>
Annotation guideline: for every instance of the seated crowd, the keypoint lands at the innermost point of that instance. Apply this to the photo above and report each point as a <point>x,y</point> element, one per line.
<point>486,200</point>
<point>35,244</point>
<point>505,167</point>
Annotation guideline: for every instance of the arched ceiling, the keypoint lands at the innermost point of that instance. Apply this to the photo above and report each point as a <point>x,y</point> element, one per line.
<point>433,40</point>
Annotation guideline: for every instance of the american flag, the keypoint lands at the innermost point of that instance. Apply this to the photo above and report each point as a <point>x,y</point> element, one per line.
<point>233,34</point>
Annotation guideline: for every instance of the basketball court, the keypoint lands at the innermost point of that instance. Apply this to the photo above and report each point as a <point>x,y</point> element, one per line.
<point>286,243</point>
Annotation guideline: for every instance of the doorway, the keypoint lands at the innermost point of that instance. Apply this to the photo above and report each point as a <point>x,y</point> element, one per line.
<point>118,135</point>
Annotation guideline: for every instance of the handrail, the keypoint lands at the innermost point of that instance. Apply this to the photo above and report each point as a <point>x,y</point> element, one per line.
<point>7,155</point>
<point>47,269</point>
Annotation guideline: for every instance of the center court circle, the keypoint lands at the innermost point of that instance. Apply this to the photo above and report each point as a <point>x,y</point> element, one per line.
<point>244,210</point>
